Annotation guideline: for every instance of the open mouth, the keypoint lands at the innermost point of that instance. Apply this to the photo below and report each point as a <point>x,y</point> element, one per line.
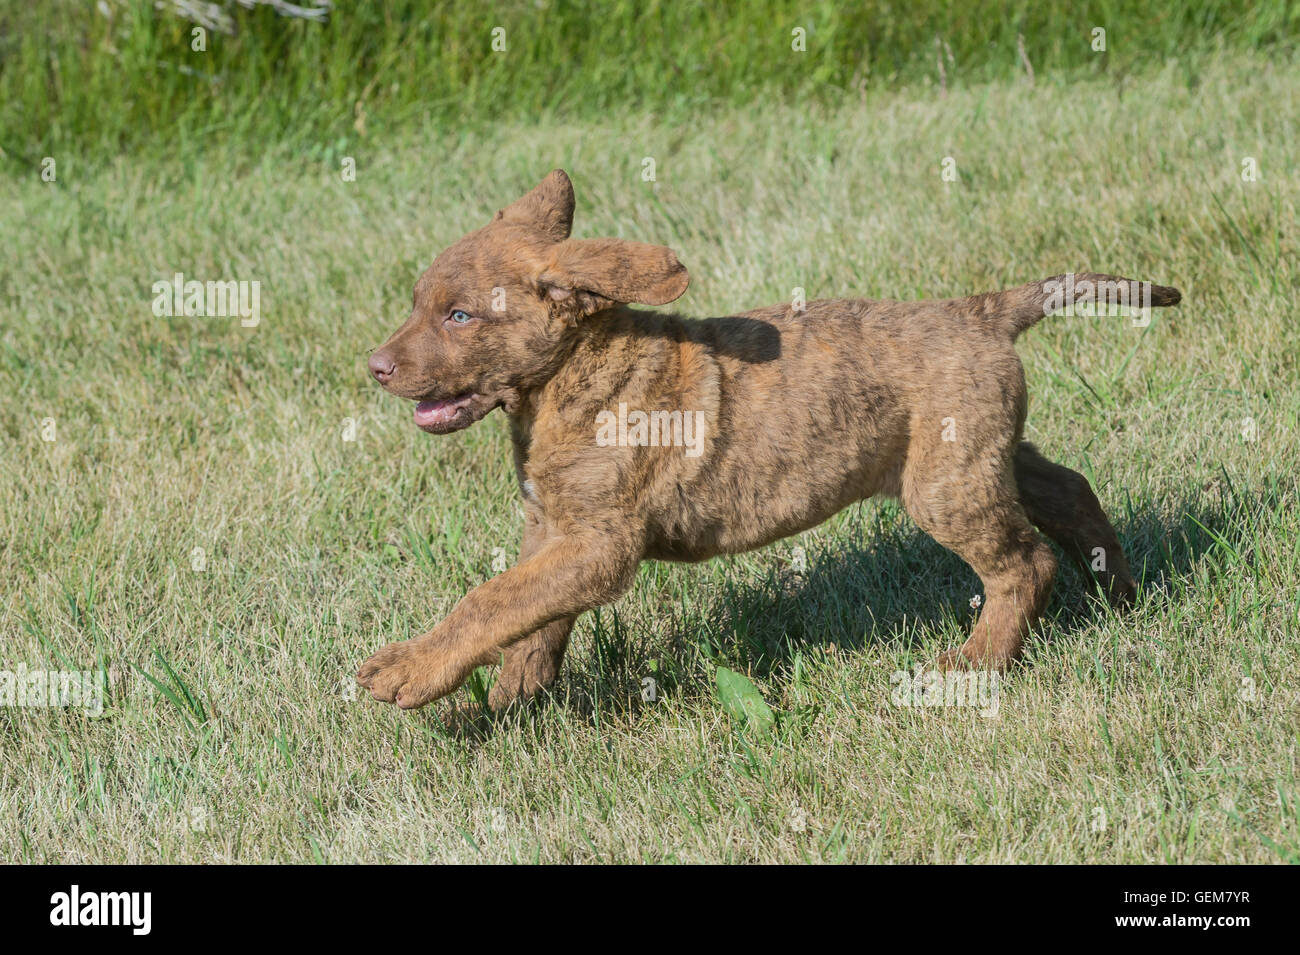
<point>445,414</point>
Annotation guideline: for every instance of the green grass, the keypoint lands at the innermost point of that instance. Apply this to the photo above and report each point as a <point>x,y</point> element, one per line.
<point>79,77</point>
<point>1126,739</point>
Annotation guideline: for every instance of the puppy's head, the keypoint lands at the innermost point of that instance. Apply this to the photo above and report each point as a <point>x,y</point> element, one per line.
<point>493,316</point>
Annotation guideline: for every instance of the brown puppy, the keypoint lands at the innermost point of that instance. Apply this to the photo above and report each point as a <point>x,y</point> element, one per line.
<point>644,435</point>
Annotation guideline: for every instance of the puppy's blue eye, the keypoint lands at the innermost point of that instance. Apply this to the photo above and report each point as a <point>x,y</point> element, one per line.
<point>459,317</point>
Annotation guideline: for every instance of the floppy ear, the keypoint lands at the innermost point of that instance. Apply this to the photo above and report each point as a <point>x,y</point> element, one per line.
<point>548,207</point>
<point>587,275</point>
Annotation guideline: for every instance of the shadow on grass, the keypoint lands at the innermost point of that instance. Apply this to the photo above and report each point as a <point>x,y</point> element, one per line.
<point>885,584</point>
<point>887,587</point>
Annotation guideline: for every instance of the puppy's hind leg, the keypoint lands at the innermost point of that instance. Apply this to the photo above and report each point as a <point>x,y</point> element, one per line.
<point>971,507</point>
<point>1062,505</point>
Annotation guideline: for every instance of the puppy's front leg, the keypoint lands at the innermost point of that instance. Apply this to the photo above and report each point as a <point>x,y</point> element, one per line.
<point>532,662</point>
<point>566,576</point>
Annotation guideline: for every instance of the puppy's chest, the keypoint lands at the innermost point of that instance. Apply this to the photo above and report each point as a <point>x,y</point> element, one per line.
<point>535,472</point>
<point>528,487</point>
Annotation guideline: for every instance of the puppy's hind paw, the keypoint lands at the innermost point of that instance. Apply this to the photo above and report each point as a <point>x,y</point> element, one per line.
<point>950,660</point>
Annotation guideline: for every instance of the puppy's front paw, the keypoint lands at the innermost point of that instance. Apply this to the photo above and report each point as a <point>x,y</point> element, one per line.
<point>412,673</point>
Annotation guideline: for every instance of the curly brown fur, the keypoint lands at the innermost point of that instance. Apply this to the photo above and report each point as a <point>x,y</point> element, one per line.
<point>801,412</point>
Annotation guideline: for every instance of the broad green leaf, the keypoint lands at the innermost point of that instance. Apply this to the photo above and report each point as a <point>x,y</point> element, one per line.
<point>742,701</point>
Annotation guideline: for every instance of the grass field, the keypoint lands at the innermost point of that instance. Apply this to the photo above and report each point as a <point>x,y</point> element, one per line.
<point>97,77</point>
<point>1165,735</point>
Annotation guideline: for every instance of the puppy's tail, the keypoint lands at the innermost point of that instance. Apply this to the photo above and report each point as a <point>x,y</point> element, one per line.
<point>1016,309</point>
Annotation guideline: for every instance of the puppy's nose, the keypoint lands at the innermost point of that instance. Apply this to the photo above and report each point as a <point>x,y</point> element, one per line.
<point>382,366</point>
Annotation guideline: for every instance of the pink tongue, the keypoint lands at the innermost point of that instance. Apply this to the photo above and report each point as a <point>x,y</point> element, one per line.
<point>437,412</point>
